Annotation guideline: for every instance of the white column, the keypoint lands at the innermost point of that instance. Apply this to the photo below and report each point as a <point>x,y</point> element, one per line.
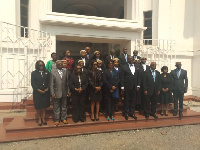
<point>130,45</point>
<point>131,8</point>
<point>45,6</point>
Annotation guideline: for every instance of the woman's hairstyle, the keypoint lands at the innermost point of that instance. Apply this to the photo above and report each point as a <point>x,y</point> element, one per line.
<point>82,51</point>
<point>163,68</point>
<point>94,56</point>
<point>91,64</point>
<point>115,59</point>
<point>112,61</point>
<point>75,69</point>
<point>37,67</point>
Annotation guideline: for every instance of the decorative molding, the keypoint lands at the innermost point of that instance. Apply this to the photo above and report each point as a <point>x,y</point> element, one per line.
<point>62,19</point>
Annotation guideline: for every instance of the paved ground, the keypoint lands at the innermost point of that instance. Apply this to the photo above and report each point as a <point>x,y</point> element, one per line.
<point>168,138</point>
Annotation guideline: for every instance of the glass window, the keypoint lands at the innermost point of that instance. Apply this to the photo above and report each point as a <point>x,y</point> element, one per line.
<point>148,24</point>
<point>24,17</point>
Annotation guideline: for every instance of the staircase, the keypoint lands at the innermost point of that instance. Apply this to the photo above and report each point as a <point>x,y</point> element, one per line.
<point>26,128</point>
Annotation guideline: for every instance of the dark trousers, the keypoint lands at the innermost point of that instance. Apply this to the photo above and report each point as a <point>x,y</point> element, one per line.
<point>60,108</point>
<point>178,95</point>
<point>150,103</point>
<point>78,104</point>
<point>110,103</point>
<point>129,101</point>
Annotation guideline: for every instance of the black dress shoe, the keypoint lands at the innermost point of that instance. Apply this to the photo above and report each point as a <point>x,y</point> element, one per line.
<point>175,114</point>
<point>146,116</point>
<point>180,114</point>
<point>154,115</point>
<point>97,119</point>
<point>82,120</point>
<point>134,117</point>
<point>39,124</point>
<point>126,117</point>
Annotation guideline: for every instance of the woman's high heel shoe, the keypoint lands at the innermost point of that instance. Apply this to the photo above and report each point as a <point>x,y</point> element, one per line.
<point>113,118</point>
<point>92,119</point>
<point>108,118</point>
<point>44,123</point>
<point>97,119</point>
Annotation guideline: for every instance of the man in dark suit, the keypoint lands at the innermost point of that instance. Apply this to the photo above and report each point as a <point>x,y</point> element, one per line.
<point>59,88</point>
<point>142,71</point>
<point>129,80</point>
<point>143,63</point>
<point>135,55</point>
<point>111,56</point>
<point>152,86</point>
<point>180,86</point>
<point>84,58</point>
<point>88,54</point>
<point>123,57</point>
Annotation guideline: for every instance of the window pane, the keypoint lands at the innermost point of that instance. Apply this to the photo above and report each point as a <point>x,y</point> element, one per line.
<point>24,21</point>
<point>148,32</point>
<point>25,2</point>
<point>24,11</point>
<point>148,23</point>
<point>148,14</point>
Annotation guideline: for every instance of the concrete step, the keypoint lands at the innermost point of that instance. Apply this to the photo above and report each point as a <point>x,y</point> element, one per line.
<point>30,130</point>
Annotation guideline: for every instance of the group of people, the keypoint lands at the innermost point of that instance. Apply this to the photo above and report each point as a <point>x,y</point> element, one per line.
<point>104,83</point>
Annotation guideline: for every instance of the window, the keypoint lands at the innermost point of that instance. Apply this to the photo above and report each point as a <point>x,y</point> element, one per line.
<point>148,24</point>
<point>24,17</point>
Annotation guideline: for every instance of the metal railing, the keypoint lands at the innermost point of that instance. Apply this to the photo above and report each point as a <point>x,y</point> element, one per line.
<point>160,51</point>
<point>20,48</point>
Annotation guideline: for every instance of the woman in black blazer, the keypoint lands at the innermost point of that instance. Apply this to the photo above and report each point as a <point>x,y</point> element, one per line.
<point>41,94</point>
<point>96,83</point>
<point>111,81</point>
<point>166,90</point>
<point>78,85</point>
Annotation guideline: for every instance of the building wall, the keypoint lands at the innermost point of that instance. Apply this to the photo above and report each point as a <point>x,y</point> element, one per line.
<point>196,57</point>
<point>172,20</point>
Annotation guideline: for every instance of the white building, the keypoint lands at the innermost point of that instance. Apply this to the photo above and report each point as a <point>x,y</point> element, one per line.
<point>172,27</point>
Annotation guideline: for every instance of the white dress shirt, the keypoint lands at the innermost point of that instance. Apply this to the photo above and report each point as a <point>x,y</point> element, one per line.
<point>60,73</point>
<point>144,66</point>
<point>132,68</point>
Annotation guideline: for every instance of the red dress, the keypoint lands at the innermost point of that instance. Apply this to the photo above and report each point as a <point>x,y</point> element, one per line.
<point>70,62</point>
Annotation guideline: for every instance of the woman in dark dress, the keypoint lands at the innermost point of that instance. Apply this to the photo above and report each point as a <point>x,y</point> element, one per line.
<point>111,81</point>
<point>166,90</point>
<point>118,69</point>
<point>95,82</point>
<point>41,94</point>
<point>78,85</point>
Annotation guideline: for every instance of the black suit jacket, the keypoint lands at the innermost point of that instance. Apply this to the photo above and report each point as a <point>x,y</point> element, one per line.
<point>127,79</point>
<point>148,83</point>
<point>110,80</point>
<point>122,60</point>
<point>74,83</point>
<point>178,83</point>
<point>90,56</point>
<point>87,62</point>
<point>107,58</point>
<point>39,82</point>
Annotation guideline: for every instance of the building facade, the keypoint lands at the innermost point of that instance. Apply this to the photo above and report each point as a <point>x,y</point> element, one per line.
<point>164,31</point>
